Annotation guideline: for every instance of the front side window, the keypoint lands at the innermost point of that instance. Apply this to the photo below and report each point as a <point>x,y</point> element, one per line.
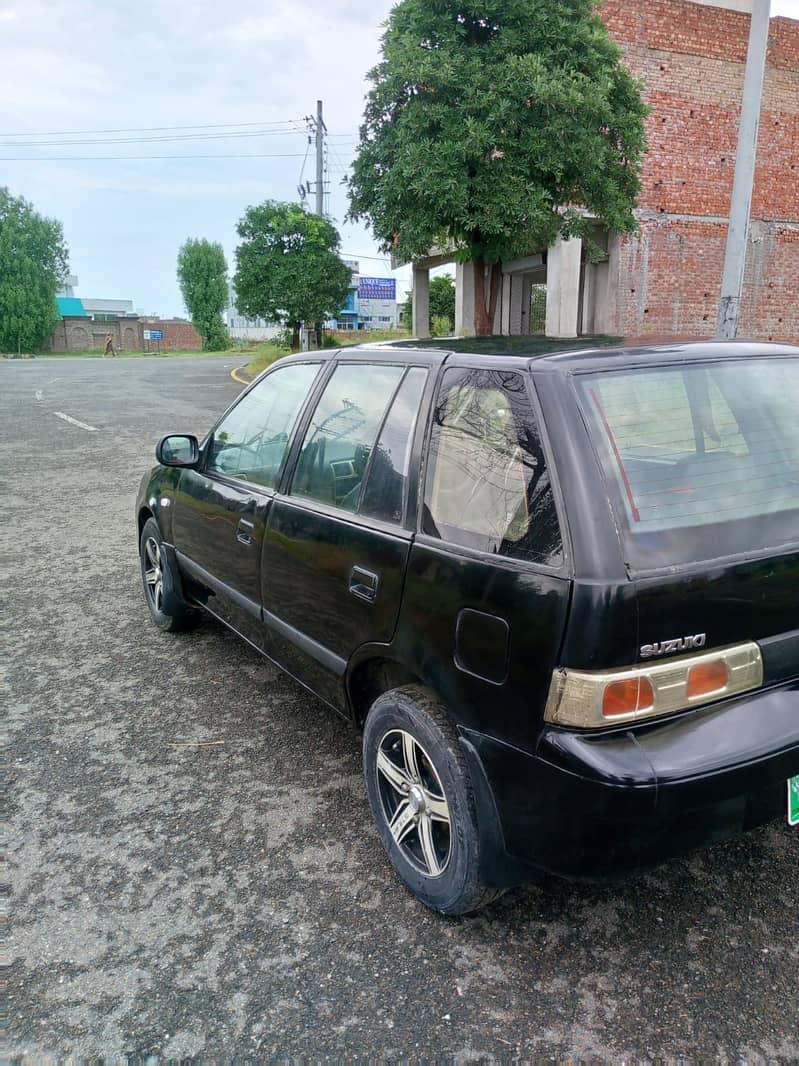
<point>339,441</point>
<point>487,484</point>
<point>250,443</point>
<point>703,461</point>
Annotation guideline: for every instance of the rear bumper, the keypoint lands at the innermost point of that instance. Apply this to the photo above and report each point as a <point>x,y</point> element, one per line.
<point>588,805</point>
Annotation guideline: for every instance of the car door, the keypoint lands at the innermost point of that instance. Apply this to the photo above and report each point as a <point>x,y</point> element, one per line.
<point>336,544</point>
<point>221,509</point>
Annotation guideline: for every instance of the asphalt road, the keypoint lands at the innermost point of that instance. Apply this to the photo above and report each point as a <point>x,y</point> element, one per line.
<point>230,900</point>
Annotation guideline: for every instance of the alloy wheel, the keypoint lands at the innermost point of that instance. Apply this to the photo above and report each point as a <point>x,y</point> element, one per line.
<point>414,803</point>
<point>153,573</point>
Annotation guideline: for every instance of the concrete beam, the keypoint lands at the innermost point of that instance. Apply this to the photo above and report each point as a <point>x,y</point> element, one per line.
<point>563,287</point>
<point>421,302</point>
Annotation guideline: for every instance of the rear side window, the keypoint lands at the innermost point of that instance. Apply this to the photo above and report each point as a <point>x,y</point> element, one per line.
<point>384,494</point>
<point>703,461</point>
<point>487,484</point>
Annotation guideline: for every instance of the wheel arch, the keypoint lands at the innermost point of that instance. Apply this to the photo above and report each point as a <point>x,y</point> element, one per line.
<point>370,676</point>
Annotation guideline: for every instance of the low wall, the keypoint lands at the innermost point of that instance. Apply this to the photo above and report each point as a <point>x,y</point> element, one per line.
<point>79,334</point>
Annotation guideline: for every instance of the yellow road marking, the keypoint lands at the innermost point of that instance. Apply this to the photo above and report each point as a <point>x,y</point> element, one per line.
<point>234,373</point>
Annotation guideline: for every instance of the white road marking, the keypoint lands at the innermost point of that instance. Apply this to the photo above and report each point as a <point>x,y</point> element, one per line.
<point>75,422</point>
<point>38,394</point>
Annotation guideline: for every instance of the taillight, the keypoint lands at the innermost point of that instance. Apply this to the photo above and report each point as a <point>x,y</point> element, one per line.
<point>707,679</point>
<point>630,696</point>
<point>591,699</point>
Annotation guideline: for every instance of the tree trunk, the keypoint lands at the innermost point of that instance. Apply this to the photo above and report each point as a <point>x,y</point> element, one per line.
<point>486,293</point>
<point>295,337</point>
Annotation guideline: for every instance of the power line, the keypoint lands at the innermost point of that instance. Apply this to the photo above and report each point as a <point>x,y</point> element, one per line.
<point>94,158</point>
<point>152,129</point>
<point>151,140</point>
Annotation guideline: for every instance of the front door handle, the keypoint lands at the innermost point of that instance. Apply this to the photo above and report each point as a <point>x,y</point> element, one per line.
<point>363,584</point>
<point>245,531</point>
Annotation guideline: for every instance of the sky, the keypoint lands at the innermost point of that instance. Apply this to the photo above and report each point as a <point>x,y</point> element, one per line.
<point>241,75</point>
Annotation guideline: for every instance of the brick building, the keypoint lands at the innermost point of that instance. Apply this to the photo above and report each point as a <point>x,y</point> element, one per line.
<point>666,279</point>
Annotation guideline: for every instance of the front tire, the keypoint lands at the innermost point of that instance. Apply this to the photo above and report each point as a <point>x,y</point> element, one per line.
<point>422,800</point>
<point>168,609</point>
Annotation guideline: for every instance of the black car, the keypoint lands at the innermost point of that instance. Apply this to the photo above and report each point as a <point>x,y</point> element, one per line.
<point>558,595</point>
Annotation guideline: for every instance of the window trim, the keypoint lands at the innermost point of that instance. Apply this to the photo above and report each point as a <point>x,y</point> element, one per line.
<point>508,561</point>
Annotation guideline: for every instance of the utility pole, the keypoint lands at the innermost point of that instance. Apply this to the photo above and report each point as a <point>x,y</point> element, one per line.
<point>320,159</point>
<point>732,282</point>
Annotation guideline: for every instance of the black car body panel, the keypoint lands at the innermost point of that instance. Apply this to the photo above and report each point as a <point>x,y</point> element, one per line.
<point>327,594</point>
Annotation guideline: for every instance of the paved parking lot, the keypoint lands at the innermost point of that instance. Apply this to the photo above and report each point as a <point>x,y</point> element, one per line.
<point>193,868</point>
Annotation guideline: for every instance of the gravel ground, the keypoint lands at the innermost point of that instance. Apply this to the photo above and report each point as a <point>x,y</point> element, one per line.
<point>229,899</point>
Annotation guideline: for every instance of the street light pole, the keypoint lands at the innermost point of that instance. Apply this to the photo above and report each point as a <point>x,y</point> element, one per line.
<point>735,257</point>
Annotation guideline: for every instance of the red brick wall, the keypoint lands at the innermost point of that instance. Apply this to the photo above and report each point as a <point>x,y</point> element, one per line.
<point>691,59</point>
<point>81,334</point>
<point>178,336</point>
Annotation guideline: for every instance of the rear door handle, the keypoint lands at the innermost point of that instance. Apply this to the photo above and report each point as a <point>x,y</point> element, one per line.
<point>245,531</point>
<point>363,584</point>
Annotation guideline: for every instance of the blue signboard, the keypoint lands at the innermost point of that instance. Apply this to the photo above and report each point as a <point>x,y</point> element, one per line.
<point>153,334</point>
<point>377,289</point>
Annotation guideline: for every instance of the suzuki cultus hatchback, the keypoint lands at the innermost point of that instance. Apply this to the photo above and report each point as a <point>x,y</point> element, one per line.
<point>559,595</point>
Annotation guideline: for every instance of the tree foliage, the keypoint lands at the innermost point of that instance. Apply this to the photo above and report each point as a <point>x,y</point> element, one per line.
<point>491,127</point>
<point>202,273</point>
<point>442,305</point>
<point>33,264</point>
<point>287,266</point>
<point>442,299</point>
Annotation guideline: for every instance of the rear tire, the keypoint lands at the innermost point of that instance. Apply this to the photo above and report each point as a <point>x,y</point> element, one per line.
<point>422,800</point>
<point>168,610</point>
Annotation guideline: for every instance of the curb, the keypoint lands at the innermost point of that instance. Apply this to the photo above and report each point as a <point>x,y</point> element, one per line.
<point>236,371</point>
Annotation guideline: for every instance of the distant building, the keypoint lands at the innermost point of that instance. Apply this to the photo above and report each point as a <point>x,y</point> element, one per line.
<point>371,302</point>
<point>247,329</point>
<point>377,303</point>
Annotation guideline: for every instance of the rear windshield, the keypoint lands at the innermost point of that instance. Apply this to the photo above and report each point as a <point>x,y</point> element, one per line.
<point>702,461</point>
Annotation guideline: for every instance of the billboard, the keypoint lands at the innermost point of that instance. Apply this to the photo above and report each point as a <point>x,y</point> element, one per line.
<point>377,289</point>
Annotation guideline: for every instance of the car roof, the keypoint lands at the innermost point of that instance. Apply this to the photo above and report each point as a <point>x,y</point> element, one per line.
<point>635,353</point>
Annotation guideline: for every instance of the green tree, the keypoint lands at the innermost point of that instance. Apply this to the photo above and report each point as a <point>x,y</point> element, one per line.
<point>33,264</point>
<point>442,305</point>
<point>491,127</point>
<point>202,273</point>
<point>287,266</point>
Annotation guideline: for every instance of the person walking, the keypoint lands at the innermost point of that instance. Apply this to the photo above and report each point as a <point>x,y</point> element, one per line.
<point>109,346</point>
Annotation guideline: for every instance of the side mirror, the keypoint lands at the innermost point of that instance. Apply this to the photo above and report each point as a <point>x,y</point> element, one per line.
<point>178,450</point>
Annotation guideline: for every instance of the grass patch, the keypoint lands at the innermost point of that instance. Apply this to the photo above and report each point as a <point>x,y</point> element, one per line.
<point>263,355</point>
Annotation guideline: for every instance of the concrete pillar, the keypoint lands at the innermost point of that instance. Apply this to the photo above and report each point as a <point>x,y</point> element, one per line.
<point>464,299</point>
<point>421,302</point>
<point>516,311</point>
<point>527,296</point>
<point>501,315</point>
<point>563,287</point>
